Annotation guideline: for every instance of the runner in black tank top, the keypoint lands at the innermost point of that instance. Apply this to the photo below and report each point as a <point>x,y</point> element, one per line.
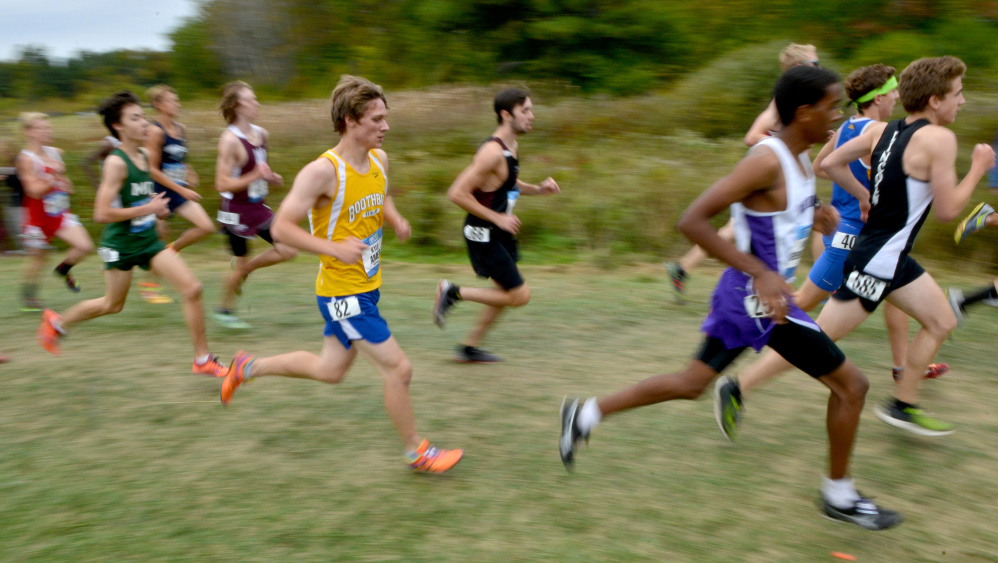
<point>488,190</point>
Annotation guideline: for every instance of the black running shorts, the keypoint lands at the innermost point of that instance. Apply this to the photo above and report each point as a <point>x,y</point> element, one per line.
<point>496,259</point>
<point>809,350</point>
<point>871,290</point>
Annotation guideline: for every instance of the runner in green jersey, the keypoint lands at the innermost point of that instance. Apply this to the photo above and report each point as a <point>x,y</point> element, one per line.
<point>127,202</point>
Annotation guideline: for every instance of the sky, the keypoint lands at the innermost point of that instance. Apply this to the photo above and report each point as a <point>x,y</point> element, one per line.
<point>65,27</point>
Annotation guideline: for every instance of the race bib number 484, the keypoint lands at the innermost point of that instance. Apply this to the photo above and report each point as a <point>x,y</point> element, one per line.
<point>866,286</point>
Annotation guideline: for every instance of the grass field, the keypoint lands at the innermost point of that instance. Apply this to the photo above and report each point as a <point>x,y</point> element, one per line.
<point>113,451</point>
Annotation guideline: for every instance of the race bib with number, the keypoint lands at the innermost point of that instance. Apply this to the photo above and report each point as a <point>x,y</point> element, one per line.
<point>176,172</point>
<point>843,241</point>
<point>756,308</point>
<point>866,286</point>
<point>476,234</point>
<point>257,190</point>
<point>227,218</point>
<point>372,254</point>
<point>143,223</point>
<point>108,255</point>
<point>342,309</point>
<point>55,203</point>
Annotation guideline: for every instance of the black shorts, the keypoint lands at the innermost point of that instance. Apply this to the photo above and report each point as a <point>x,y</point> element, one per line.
<point>871,290</point>
<point>496,259</point>
<point>239,245</point>
<point>809,350</point>
<point>173,199</point>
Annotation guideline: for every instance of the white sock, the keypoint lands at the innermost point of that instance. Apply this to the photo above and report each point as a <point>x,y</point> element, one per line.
<point>589,415</point>
<point>840,493</point>
<point>202,360</point>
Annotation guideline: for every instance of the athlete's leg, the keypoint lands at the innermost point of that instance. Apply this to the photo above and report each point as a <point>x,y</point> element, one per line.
<point>924,301</point>
<point>113,301</point>
<point>496,296</point>
<point>329,367</point>
<point>395,367</point>
<point>809,295</point>
<point>36,259</point>
<point>817,245</point>
<point>485,322</point>
<point>171,267</point>
<point>203,225</point>
<point>79,242</point>
<point>686,384</point>
<point>695,255</point>
<point>897,332</point>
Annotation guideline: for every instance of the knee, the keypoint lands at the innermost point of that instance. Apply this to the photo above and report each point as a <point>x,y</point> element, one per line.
<point>192,291</point>
<point>519,296</point>
<point>402,372</point>
<point>693,382</point>
<point>287,252</point>
<point>331,374</point>
<point>87,246</point>
<point>113,307</point>
<point>854,386</point>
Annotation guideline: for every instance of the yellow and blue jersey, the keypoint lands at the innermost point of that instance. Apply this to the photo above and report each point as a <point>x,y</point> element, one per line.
<point>355,210</point>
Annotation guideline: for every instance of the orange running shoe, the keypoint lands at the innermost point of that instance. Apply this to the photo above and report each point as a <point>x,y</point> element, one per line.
<point>212,367</point>
<point>235,376</point>
<point>431,459</point>
<point>47,334</point>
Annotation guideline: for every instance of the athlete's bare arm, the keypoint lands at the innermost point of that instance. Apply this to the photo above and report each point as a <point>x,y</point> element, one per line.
<point>193,180</point>
<point>394,219</point>
<point>931,155</point>
<point>768,120</point>
<point>112,181</point>
<point>836,165</point>
<point>822,154</point>
<point>547,187</point>
<point>154,146</point>
<point>232,155</point>
<point>313,187</point>
<point>751,182</point>
<point>486,172</point>
<point>35,185</point>
<point>90,163</point>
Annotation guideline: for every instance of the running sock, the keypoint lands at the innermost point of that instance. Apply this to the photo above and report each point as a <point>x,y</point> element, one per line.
<point>680,271</point>
<point>840,493</point>
<point>63,268</point>
<point>454,293</point>
<point>248,370</point>
<point>896,372</point>
<point>985,293</point>
<point>903,405</point>
<point>589,416</point>
<point>202,360</point>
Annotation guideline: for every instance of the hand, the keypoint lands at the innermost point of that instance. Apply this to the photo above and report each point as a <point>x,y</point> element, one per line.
<point>190,195</point>
<point>192,178</point>
<point>773,292</point>
<point>864,208</point>
<point>276,179</point>
<point>348,250</point>
<point>549,186</point>
<point>984,156</point>
<point>826,219</point>
<point>508,222</point>
<point>159,205</point>
<point>831,135</point>
<point>403,230</point>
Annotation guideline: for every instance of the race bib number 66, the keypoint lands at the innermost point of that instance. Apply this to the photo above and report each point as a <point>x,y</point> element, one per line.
<point>866,286</point>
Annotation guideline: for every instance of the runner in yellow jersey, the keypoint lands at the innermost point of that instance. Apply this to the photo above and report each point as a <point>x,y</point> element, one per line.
<point>344,195</point>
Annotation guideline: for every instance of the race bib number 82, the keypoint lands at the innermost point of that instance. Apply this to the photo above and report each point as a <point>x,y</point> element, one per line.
<point>342,309</point>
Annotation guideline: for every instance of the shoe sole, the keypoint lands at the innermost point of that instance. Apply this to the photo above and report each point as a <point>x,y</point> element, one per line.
<point>718,411</point>
<point>828,516</point>
<point>460,361</point>
<point>570,462</point>
<point>961,230</point>
<point>438,319</point>
<point>909,426</point>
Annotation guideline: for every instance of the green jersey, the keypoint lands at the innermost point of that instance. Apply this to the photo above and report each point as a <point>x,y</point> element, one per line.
<point>137,235</point>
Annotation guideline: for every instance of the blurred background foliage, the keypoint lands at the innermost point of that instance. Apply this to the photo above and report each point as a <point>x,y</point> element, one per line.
<point>641,104</point>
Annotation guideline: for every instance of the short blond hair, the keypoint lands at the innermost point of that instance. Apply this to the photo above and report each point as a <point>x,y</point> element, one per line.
<point>350,99</point>
<point>28,118</point>
<point>230,99</point>
<point>155,93</point>
<point>796,54</point>
<point>927,77</point>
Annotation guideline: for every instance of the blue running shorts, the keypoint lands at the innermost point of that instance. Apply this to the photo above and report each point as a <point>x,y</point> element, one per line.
<point>354,317</point>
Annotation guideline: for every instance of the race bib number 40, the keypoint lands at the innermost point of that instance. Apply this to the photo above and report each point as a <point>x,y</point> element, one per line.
<point>843,241</point>
<point>342,309</point>
<point>866,286</point>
